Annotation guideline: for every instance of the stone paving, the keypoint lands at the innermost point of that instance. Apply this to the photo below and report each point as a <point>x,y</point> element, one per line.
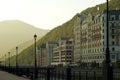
<point>8,76</point>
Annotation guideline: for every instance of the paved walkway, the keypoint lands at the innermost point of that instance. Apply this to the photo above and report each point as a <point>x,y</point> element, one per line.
<point>8,76</point>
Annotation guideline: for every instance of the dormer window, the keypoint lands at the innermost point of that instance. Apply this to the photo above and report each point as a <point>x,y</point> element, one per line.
<point>119,17</point>
<point>112,17</point>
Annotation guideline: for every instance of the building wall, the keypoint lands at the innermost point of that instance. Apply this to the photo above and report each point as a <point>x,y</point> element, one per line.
<point>49,47</point>
<point>41,55</point>
<point>77,38</point>
<point>93,37</point>
<point>63,53</point>
<point>45,54</point>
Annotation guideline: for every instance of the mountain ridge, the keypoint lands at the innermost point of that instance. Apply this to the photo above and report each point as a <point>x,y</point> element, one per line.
<point>15,32</point>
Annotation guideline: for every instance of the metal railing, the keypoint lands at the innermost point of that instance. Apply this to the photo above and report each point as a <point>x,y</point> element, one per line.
<point>61,73</point>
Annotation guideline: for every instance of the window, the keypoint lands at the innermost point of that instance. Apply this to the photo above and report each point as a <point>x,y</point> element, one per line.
<point>113,49</point>
<point>97,57</point>
<point>103,30</point>
<point>103,18</point>
<point>112,36</point>
<point>112,17</point>
<point>103,24</point>
<point>113,31</point>
<point>119,56</point>
<point>97,50</point>
<point>113,43</point>
<point>112,25</point>
<point>113,56</point>
<point>119,17</point>
<point>69,47</point>
<point>100,57</point>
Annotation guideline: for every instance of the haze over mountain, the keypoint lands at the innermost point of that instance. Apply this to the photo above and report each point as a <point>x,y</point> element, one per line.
<point>15,32</point>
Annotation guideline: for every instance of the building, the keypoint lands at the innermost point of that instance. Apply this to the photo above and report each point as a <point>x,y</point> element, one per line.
<point>92,37</point>
<point>77,38</point>
<point>41,55</point>
<point>63,53</point>
<point>45,53</point>
<point>50,46</point>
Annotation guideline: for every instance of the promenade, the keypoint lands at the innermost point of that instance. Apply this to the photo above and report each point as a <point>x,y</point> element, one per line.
<point>8,76</point>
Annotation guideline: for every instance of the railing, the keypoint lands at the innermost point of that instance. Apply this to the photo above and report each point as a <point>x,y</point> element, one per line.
<point>61,73</point>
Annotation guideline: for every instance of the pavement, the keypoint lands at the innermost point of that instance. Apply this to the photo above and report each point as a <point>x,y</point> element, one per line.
<point>8,76</point>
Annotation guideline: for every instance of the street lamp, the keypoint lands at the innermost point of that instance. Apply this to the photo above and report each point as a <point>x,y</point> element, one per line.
<point>9,59</point>
<point>108,68</point>
<point>35,65</point>
<point>5,60</point>
<point>16,57</point>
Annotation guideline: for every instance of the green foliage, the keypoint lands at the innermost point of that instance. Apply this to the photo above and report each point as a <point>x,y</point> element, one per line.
<point>26,57</point>
<point>113,4</point>
<point>64,30</point>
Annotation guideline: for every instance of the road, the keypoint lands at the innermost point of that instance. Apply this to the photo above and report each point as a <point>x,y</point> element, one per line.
<point>8,76</point>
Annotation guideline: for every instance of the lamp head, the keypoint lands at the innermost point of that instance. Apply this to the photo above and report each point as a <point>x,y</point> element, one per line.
<point>16,47</point>
<point>35,36</point>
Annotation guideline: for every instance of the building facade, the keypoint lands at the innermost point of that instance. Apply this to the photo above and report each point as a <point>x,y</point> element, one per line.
<point>45,53</point>
<point>92,34</point>
<point>63,53</point>
<point>77,38</point>
<point>41,55</point>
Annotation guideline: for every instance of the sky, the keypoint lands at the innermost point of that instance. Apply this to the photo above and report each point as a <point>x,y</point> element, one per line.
<point>44,14</point>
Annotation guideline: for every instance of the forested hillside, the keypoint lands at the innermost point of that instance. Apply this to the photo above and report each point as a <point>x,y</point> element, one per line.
<point>113,4</point>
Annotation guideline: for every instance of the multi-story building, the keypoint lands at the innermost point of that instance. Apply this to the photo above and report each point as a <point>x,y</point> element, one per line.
<point>41,55</point>
<point>77,38</point>
<point>63,53</point>
<point>92,33</point>
<point>50,46</point>
<point>45,53</point>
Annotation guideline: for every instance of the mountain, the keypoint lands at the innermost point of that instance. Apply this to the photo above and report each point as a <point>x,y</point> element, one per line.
<point>15,32</point>
<point>66,30</point>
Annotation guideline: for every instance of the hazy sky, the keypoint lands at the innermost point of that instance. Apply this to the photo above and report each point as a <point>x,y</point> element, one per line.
<point>45,14</point>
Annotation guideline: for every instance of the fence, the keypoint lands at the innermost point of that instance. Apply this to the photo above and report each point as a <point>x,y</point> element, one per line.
<point>60,73</point>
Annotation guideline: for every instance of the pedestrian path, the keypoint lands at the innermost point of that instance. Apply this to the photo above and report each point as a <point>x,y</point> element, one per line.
<point>8,76</point>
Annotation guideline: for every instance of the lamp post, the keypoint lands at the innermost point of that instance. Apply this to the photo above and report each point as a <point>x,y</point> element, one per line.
<point>5,61</point>
<point>41,56</point>
<point>108,68</point>
<point>9,59</point>
<point>35,65</point>
<point>16,58</point>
